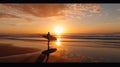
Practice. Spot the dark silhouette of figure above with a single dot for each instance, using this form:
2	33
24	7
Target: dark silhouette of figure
47	52
44	56
48	36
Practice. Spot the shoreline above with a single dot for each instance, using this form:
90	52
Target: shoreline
14	54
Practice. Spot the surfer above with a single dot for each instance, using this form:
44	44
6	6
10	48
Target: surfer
48	35
51	38
46	52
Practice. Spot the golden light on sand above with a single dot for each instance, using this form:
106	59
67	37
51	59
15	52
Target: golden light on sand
58	43
58	30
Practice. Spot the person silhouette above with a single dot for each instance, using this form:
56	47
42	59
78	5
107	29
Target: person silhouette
48	36
46	53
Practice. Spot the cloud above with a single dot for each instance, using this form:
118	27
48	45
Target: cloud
39	10
96	10
106	22
7	16
82	9
118	9
118	18
33	12
12	21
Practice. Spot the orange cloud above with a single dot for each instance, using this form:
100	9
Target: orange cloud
33	12
40	10
7	16
82	9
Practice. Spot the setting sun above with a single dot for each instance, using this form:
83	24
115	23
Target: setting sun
58	30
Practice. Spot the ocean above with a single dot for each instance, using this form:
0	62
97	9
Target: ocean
82	47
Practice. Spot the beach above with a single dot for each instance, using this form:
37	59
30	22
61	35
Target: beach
9	53
12	54
72	48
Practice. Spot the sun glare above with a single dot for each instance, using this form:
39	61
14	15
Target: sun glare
58	30
58	43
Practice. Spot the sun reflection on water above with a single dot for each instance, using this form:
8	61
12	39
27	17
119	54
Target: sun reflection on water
58	43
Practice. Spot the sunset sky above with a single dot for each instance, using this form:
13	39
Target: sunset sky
73	18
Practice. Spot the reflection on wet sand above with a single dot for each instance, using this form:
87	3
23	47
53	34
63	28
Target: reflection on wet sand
58	43
46	53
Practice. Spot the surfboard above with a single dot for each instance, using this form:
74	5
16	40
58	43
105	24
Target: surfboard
49	51
51	37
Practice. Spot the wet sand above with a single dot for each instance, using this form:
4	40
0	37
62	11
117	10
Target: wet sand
10	53
6	50
14	54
